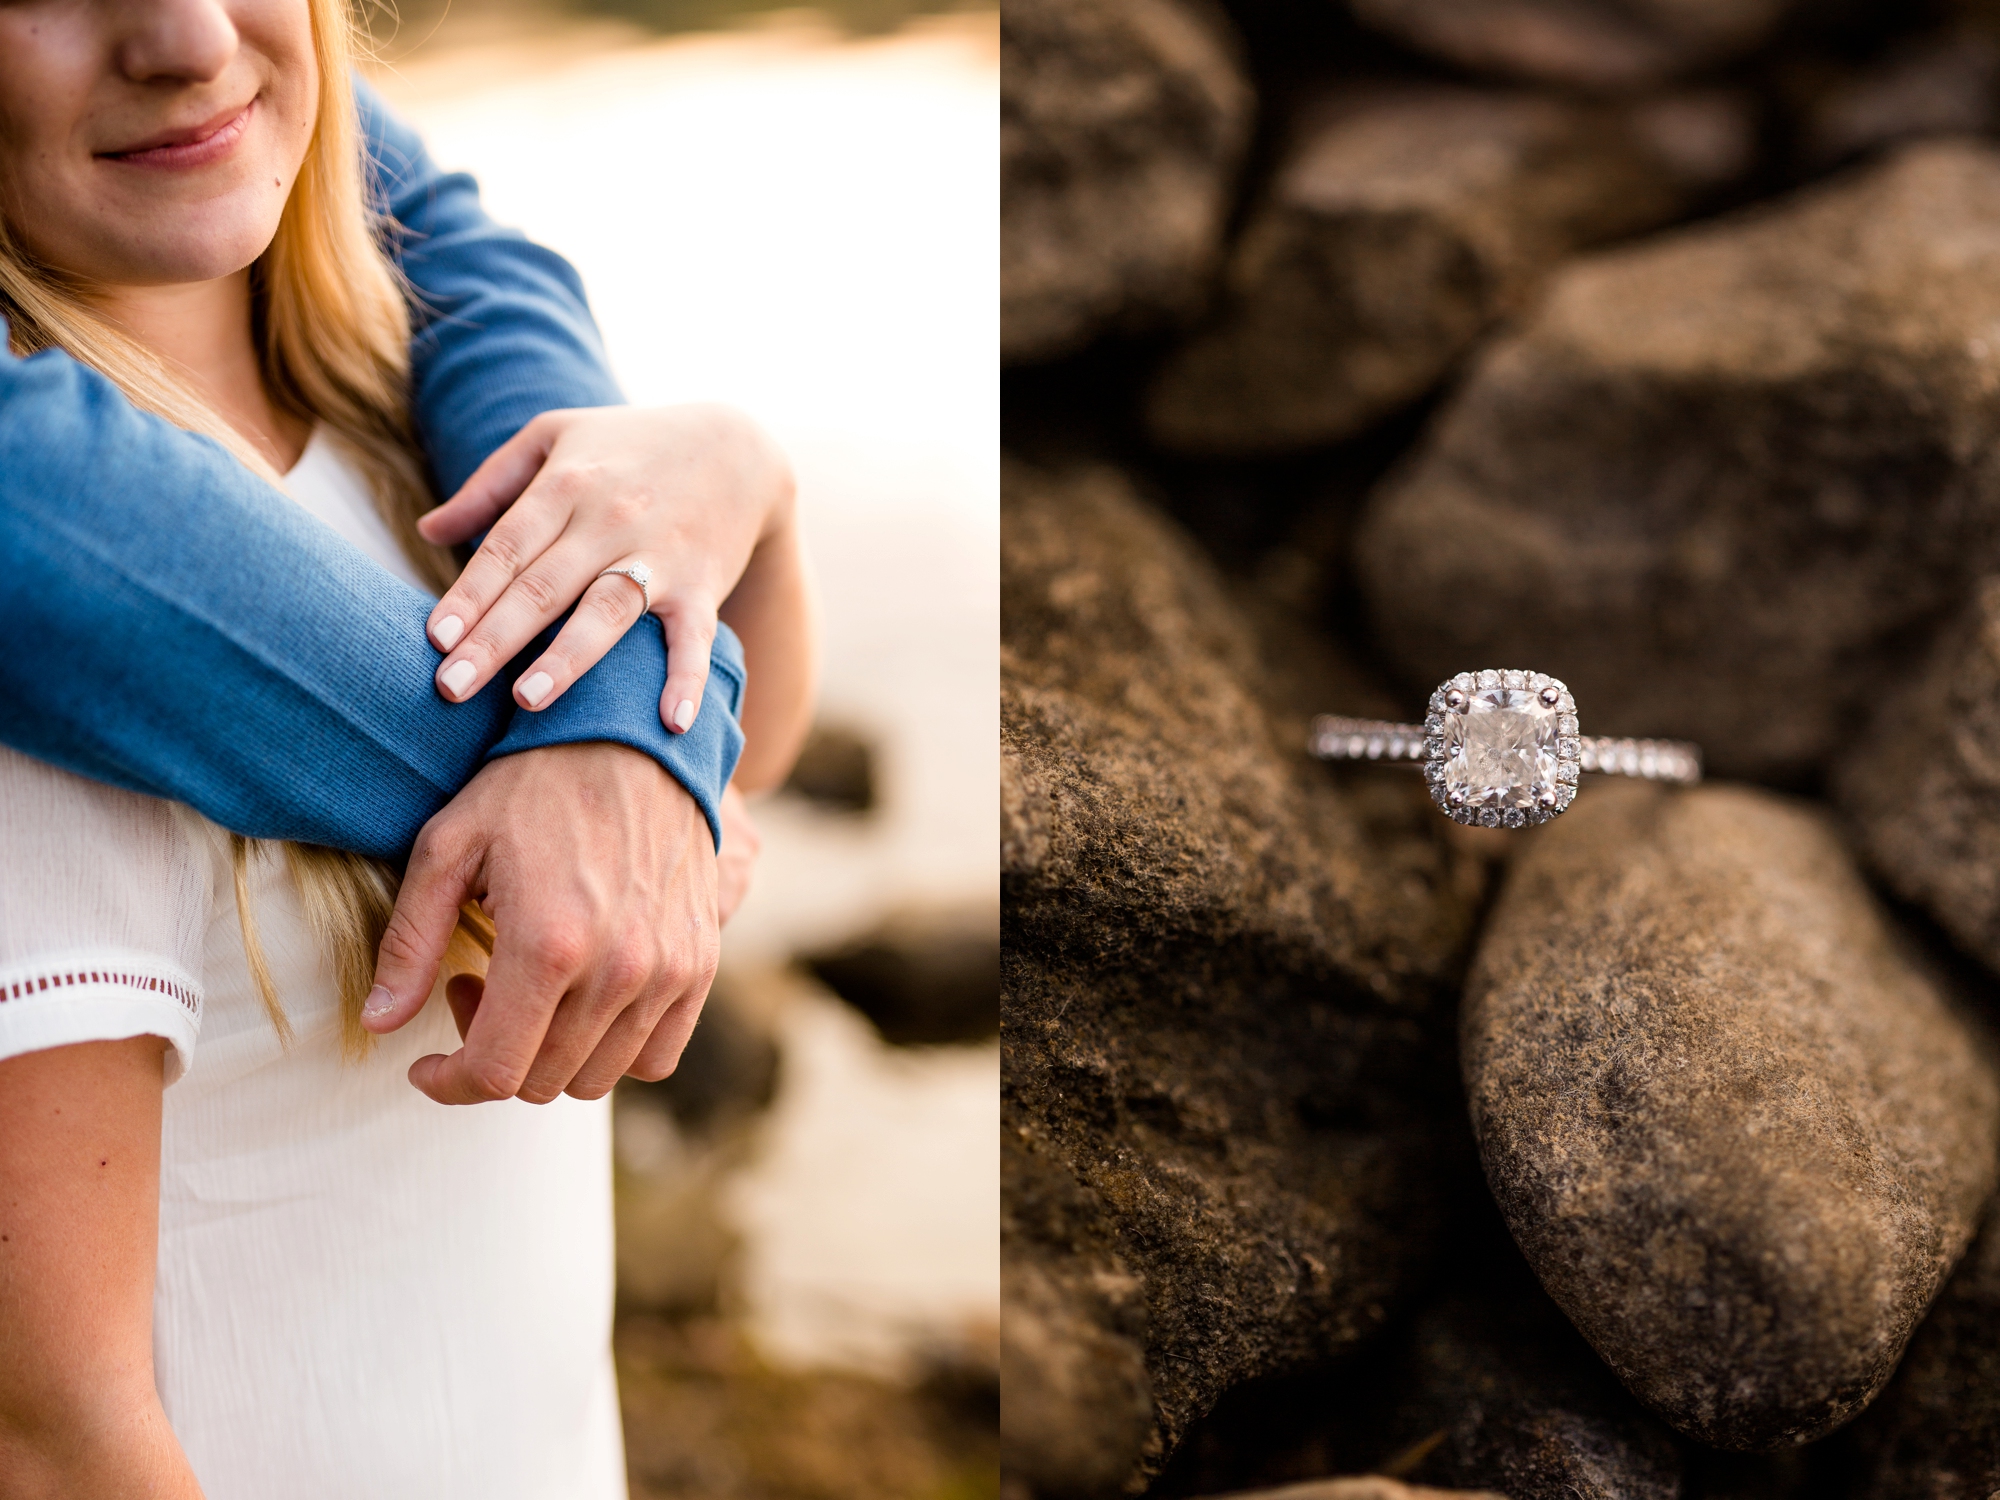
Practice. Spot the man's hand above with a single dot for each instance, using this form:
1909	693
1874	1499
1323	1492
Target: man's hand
599	873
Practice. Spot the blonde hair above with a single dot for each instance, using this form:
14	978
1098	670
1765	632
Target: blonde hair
333	333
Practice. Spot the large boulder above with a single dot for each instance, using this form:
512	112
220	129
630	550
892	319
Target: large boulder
1923	784
1399	225
1225	993
1735	1127
1122	124
1598	44
1723	483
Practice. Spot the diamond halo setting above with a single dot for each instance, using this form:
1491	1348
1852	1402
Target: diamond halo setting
1501	748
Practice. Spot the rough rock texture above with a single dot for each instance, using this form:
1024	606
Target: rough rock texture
1122	123
1360	1487
1604	44
1223	999
1725	482
1923	784
1935	1434
1397	228
1738	1133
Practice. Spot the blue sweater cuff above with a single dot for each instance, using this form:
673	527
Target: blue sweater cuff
619	701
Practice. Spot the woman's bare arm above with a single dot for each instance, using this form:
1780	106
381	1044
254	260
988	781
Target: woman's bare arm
772	610
79	1229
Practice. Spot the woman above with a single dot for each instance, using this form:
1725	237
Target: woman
358	1293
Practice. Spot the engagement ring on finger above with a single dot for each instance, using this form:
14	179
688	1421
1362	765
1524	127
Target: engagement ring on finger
1501	749
640	574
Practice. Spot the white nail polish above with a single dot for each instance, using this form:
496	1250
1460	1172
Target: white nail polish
447	631
458	677
684	715
378	1004
535	687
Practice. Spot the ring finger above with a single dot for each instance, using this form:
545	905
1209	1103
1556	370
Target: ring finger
533	602
609	607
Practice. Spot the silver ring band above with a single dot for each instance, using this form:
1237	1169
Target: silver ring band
640	574
1501	749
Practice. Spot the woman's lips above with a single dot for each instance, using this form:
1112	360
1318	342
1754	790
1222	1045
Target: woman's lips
190	148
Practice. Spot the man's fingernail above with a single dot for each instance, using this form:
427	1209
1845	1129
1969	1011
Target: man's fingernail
447	631
535	687
458	677
684	715
378	1004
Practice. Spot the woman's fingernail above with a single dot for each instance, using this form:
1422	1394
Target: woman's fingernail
458	677
378	1004
447	631
684	715
535	687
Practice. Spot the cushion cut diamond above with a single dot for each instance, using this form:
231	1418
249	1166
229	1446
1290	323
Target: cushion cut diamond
1500	749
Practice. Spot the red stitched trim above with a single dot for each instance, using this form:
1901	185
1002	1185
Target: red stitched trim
150	982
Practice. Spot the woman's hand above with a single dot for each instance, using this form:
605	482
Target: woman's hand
689	492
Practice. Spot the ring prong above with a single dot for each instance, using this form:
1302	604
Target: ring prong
1454	700
1551	696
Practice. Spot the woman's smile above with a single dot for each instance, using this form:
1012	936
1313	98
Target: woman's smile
190	146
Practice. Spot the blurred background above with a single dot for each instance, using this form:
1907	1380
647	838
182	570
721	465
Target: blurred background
797	212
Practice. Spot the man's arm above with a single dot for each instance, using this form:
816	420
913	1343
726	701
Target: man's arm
178	627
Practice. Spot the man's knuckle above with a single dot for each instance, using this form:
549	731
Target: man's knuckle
557	950
494	1078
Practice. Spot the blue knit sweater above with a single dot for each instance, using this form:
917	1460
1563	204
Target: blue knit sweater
176	626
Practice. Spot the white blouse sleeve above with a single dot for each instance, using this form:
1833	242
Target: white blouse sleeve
104	903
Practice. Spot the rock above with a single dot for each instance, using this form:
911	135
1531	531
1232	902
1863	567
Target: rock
1942	83
1503	1395
1077	1412
1122	124
924	977
1923	784
1359	1487
1737	1131
729	1069
1397	228
1936	1431
1724	482
835	768
1633	43
1225	982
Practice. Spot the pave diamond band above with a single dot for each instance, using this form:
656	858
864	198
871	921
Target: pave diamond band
1501	749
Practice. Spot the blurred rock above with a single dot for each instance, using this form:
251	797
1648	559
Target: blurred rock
1225	987
1588	43
1943	83
1122	124
1360	1487
1399	225
836	768
925	977
1724	483
729	1068
1923	785
675	1246
1935	1434
706	1419
1737	1131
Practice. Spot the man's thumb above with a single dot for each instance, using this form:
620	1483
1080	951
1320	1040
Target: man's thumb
413	944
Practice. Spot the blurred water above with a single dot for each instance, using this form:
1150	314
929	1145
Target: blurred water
808	227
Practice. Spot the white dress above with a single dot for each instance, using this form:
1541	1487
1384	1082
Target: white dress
361	1293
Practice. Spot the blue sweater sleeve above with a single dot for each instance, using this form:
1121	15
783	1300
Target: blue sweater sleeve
504	333
176	626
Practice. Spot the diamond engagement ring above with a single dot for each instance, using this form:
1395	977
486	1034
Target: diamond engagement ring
640	574
1501	749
